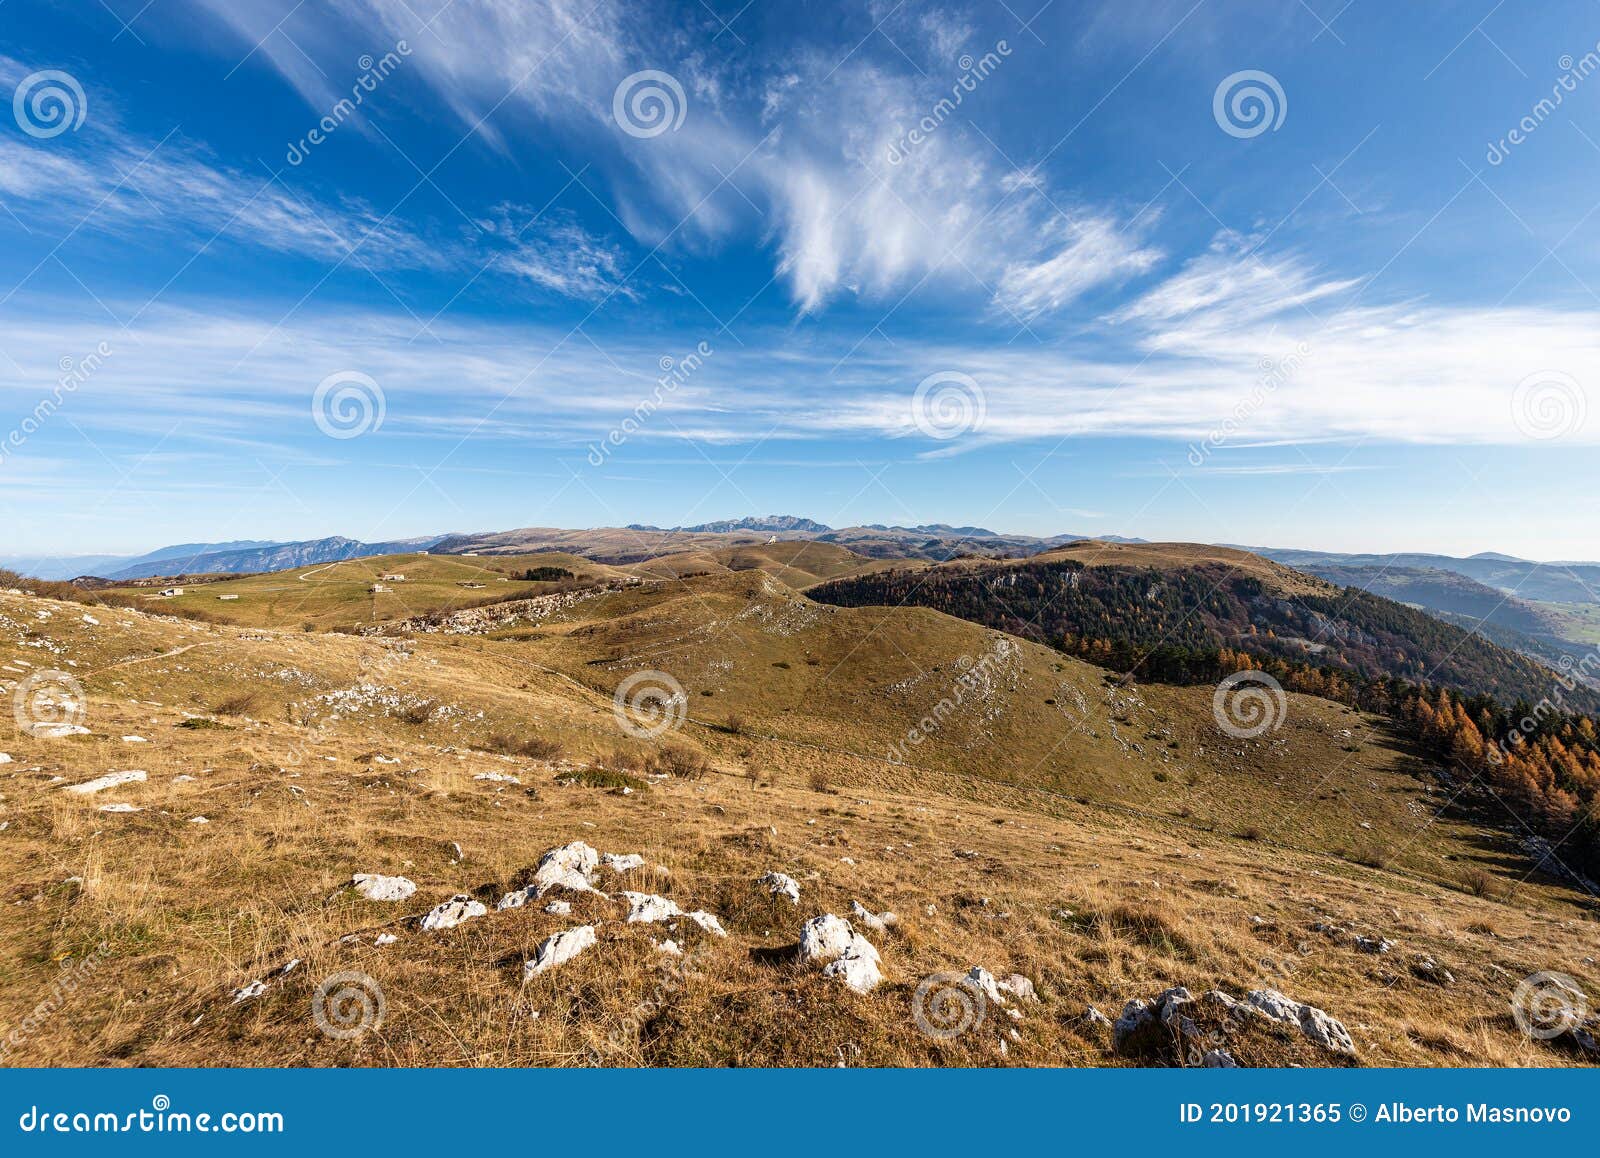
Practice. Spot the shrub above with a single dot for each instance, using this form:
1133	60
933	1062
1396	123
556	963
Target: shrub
679	762
1249	832
236	705
1478	882
533	747
818	780
601	778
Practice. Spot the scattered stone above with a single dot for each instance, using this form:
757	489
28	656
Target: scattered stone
830	941
877	922
376	887
1430	970
1373	944
707	921
1218	1059
497	777
567	867
781	886
648	908
983	981
967	853
558	950
5	757
1326	1031
385	939
109	780
120	808
1020	987
449	914
134	740
559	908
1094	1017
622	864
669	947
199	820
57	731
246	992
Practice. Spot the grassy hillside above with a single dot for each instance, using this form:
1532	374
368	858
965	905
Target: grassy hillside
340	594
1161	609
310	759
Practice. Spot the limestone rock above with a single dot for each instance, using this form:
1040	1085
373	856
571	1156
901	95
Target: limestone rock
781	885
558	950
449	914
376	887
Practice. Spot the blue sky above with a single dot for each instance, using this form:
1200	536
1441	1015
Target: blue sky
591	263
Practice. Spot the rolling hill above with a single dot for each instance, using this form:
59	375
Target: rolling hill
1103	842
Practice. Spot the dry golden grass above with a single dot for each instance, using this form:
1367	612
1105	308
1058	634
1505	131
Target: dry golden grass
1096	903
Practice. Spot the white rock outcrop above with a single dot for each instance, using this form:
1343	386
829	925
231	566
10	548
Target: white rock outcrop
622	862
449	914
1318	1026
781	885
377	887
567	867
830	941
109	780
877	922
649	908
558	950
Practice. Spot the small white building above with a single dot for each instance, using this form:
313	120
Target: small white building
376	588
226	598
171	591
394	578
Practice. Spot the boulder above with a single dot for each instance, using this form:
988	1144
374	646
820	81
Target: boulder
376	887
1325	1031
558	950
567	867
649	908
707	921
1019	986
449	914
831	942
781	886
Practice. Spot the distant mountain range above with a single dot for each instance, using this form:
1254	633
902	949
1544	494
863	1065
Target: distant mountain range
239	557
1523	578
